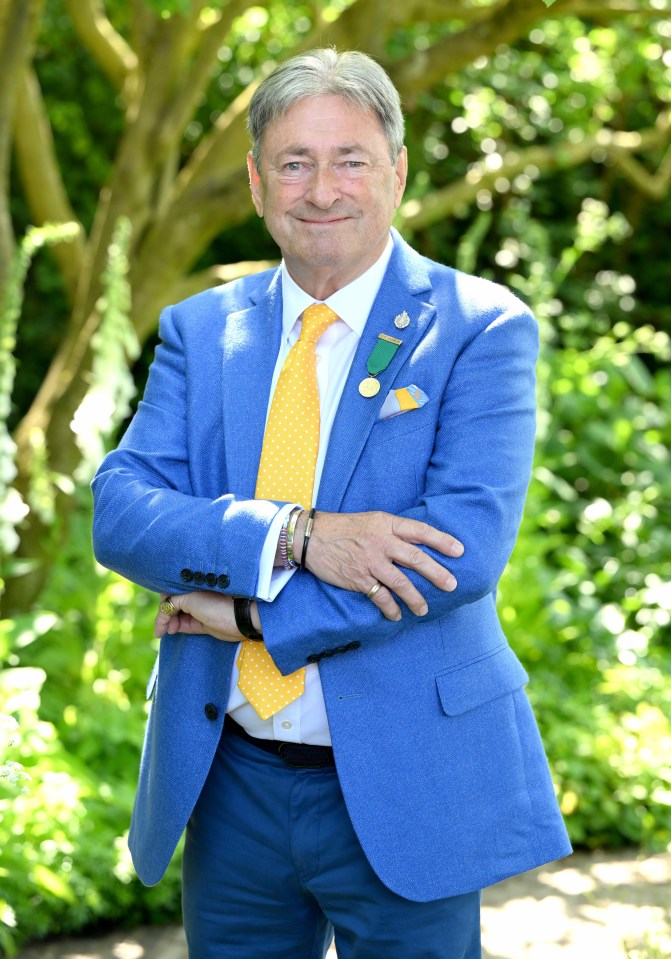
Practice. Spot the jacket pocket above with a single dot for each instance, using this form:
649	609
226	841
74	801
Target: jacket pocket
466	687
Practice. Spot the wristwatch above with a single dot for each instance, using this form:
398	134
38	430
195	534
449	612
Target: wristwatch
243	618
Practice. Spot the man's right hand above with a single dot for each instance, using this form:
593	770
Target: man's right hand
357	550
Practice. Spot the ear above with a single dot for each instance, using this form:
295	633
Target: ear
255	184
401	176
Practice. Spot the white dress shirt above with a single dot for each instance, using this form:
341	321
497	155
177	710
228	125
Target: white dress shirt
304	720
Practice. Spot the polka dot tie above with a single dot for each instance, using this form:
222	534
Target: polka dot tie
287	473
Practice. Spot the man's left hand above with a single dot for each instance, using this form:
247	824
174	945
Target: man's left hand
199	612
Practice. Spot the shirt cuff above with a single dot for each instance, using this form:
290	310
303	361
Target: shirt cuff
272	578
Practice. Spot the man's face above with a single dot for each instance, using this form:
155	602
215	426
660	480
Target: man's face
327	189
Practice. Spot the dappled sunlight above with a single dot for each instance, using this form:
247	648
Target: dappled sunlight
593	907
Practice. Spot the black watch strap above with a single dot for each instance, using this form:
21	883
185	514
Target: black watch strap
243	618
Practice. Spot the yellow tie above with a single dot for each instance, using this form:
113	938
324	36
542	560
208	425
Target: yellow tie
287	473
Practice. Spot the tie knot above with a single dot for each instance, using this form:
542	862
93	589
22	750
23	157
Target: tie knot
316	320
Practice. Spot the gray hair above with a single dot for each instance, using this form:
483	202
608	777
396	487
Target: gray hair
351	75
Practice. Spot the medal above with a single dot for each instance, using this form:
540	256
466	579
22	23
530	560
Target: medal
383	353
369	387
401	321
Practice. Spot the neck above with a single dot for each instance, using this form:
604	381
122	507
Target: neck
320	282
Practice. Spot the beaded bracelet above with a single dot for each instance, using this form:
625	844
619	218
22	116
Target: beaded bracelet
283	548
291	529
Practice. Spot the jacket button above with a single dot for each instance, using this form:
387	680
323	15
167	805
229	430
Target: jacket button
223	581
211	711
198	577
313	658
211	579
355	645
342	649
186	576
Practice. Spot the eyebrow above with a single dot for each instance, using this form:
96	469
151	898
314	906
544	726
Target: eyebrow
341	151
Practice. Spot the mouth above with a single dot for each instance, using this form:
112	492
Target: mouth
322	221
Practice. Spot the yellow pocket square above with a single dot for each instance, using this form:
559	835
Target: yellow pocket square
402	400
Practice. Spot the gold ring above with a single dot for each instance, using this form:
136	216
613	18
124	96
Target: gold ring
373	590
168	607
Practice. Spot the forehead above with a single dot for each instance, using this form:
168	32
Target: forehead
324	122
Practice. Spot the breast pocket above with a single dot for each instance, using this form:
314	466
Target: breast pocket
467	687
394	427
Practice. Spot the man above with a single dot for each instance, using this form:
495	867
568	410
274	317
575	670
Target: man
366	761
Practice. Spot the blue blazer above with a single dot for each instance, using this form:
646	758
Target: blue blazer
436	747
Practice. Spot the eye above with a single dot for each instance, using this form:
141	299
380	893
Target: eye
293	166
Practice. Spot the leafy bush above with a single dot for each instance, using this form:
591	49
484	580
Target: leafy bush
77	690
72	703
586	600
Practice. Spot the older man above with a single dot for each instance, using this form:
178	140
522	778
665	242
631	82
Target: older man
337	719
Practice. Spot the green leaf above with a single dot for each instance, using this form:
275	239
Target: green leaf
47	880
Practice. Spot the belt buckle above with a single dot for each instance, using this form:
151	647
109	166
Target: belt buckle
284	750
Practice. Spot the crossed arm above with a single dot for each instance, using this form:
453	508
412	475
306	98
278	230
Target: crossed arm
155	515
350	550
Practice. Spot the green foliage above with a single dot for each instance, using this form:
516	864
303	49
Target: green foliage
12	507
652	945
72	707
75	683
115	346
586	600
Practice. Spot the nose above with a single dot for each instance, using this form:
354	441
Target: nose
323	188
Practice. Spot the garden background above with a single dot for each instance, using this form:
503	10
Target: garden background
540	156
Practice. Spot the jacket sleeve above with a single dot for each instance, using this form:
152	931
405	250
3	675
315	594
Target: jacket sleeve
149	525
474	488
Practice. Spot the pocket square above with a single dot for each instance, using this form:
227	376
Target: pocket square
402	400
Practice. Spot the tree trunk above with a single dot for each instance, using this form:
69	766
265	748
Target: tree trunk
18	23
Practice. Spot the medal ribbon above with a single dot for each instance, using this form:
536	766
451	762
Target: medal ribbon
382	355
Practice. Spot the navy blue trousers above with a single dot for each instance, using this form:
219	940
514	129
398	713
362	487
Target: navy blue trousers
273	869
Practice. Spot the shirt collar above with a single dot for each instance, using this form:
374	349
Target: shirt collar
352	303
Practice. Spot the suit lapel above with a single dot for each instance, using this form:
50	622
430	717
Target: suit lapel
404	280
250	344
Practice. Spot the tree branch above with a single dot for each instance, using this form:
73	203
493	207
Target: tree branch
142	24
654	185
221	154
196	78
418	214
18	25
116	58
41	177
352	29
215	275
604	10
176	240
503	24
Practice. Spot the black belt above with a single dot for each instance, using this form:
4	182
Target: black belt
299	755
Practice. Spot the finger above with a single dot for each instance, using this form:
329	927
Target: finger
414	531
413	557
162	625
164	622
395	581
386	603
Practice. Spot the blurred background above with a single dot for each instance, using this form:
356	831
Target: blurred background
540	156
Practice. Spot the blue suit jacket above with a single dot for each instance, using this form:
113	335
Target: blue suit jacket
437	750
